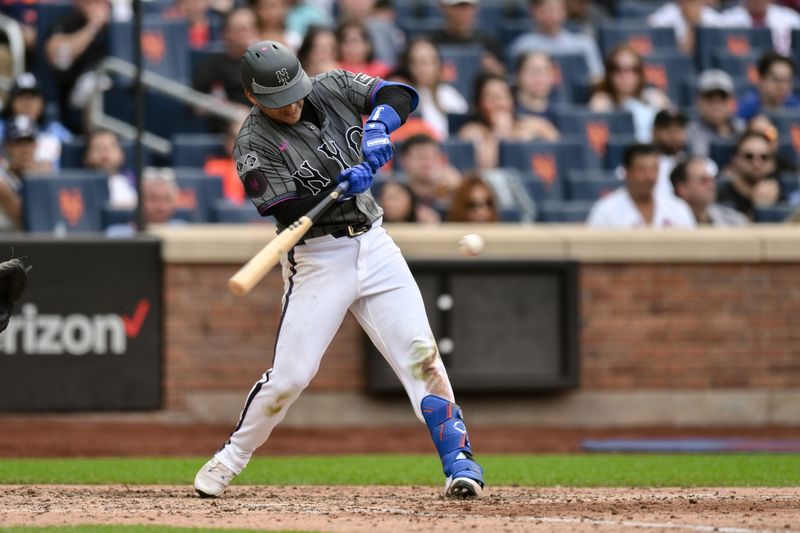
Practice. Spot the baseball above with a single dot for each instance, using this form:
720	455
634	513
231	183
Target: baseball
471	245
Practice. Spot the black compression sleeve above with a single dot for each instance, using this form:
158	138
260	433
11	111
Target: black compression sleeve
396	97
289	211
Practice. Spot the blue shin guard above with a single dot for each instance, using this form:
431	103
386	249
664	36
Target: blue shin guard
449	434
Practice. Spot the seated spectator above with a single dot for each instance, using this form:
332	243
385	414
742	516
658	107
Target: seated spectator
585	16
669	138
159	196
635	205
760	13
458	28
271	22
551	37
496	120
317	54
398	202
763	125
76	44
473	201
225	167
429	175
685	16
715	115
19	143
422	65
695	184
749	181
196	15
624	88
27	98
387	39
356	52
104	154
774	90
218	74
534	85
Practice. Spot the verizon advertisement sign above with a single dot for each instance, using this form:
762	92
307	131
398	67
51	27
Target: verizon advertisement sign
87	335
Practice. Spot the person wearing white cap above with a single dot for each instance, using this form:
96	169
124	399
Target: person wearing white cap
458	28
716	119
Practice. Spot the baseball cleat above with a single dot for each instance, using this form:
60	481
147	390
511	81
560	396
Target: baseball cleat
462	488
212	479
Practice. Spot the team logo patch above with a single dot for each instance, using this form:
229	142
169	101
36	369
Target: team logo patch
255	183
282	75
248	161
363	79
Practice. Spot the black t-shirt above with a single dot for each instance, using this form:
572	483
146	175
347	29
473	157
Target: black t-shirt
221	71
728	195
488	42
94	53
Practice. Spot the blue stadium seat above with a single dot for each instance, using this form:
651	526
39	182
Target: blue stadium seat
590	185
594	130
198	192
72	153
636	9
615	150
788	123
541	191
564	212
165	46
743	67
493	16
669	71
543	166
69	201
790	182
460	65
721	151
193	149
641	37
796	54
226	212
455	121
733	41
510	214
572	73
775	214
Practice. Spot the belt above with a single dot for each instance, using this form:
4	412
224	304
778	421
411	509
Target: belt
353	230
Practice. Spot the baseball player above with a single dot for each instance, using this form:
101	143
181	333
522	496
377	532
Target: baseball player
302	137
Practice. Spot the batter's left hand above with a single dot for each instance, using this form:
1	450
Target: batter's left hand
360	178
375	145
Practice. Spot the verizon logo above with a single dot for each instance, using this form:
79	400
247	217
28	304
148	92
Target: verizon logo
75	334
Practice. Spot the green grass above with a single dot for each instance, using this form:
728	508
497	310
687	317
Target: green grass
729	470
121	529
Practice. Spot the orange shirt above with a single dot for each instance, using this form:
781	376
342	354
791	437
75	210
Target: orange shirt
225	167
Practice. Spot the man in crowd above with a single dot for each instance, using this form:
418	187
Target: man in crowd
20	144
459	29
635	205
429	175
775	88
669	138
694	182
715	119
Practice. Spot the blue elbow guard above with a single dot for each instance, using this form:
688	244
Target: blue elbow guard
449	434
386	115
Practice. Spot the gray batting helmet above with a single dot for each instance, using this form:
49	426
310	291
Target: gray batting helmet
274	75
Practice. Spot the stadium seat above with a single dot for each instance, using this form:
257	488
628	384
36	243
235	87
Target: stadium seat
744	66
198	192
564	212
790	182
72	153
721	151
788	123
669	71
494	16
637	9
165	46
590	185
775	214
226	212
615	150
543	166
455	121
460	65
594	130
796	55
572	74
193	149
70	201
641	37
733	41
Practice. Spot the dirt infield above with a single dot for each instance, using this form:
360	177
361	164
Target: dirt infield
394	509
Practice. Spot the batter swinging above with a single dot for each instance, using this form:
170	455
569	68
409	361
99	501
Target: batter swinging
302	137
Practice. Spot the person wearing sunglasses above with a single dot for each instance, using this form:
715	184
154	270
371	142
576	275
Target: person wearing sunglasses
715	112
474	201
749	181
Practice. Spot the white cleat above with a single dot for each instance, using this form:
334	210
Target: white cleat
213	479
462	488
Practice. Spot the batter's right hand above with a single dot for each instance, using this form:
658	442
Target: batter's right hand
359	176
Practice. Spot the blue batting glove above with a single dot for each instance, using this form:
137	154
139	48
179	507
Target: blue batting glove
359	177
376	148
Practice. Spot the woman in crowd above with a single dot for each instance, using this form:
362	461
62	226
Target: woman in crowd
271	18
473	201
421	63
398	202
356	51
496	120
624	89
317	54
535	80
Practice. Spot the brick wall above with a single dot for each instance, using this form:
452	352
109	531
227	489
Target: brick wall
644	326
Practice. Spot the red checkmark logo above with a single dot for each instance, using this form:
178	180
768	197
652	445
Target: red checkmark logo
134	324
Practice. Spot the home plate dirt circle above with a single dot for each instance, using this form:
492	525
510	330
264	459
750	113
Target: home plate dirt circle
394	509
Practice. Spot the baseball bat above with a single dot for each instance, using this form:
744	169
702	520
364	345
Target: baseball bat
254	270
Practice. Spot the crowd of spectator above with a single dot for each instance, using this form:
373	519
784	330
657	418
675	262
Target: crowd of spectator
701	143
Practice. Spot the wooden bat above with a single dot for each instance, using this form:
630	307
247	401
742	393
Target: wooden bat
254	270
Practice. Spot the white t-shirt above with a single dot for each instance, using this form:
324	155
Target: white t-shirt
121	193
617	210
669	16
450	101
781	20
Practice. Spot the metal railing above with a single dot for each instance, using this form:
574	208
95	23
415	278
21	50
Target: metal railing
16	46
155	82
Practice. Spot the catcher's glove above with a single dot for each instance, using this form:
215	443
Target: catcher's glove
13	280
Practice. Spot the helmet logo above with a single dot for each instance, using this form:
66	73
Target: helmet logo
282	75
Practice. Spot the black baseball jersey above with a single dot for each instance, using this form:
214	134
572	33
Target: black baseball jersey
278	162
